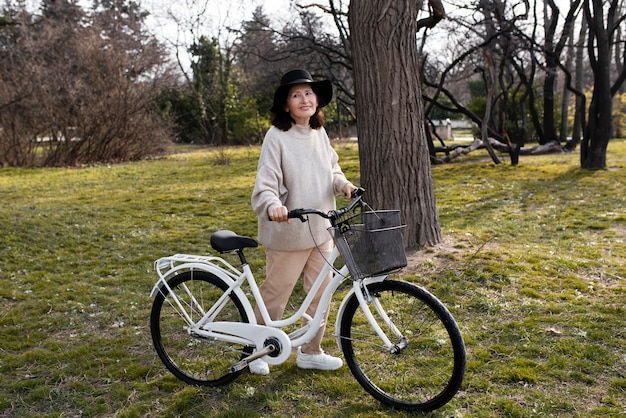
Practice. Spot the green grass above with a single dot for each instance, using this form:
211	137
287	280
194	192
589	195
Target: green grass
532	266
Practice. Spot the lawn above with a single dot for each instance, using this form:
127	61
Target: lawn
532	266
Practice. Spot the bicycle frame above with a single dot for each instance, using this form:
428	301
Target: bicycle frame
253	333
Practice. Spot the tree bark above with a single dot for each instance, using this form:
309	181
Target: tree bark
580	120
598	131
491	93
393	151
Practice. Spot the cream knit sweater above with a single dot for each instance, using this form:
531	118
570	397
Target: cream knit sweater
297	169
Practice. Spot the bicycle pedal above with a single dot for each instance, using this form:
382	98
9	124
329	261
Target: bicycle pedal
239	366
244	362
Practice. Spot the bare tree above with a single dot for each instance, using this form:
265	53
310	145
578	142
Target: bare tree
510	33
603	19
491	54
552	55
395	166
78	89
575	84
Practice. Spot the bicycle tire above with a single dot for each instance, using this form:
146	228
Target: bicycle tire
423	376
194	360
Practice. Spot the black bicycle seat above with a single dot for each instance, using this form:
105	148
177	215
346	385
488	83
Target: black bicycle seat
224	240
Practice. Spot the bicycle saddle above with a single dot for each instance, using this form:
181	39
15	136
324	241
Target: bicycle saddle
224	240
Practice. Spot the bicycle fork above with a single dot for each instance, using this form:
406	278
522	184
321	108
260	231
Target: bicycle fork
366	299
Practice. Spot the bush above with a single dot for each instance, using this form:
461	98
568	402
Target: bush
73	93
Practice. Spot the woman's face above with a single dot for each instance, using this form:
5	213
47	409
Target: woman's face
301	103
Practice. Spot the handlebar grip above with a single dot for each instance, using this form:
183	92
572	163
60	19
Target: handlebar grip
357	192
295	213
292	214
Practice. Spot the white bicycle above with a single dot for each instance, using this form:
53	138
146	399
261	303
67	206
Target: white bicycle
399	341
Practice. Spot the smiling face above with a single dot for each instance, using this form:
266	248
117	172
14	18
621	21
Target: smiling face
301	103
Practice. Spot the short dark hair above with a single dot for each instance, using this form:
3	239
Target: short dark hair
283	120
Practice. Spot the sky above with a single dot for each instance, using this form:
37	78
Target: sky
180	22
206	15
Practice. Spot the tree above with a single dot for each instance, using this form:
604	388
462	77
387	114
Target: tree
603	28
255	54
552	53
211	107
211	72
488	58
393	152
508	32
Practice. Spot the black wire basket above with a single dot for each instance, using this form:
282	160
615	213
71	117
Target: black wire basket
371	243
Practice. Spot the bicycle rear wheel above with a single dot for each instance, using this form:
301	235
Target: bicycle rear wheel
195	360
424	375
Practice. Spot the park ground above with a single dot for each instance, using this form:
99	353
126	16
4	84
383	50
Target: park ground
532	266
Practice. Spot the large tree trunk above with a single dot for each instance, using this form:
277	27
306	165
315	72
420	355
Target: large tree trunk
598	130
551	55
549	123
393	151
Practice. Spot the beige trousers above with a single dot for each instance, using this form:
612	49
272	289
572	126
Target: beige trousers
283	269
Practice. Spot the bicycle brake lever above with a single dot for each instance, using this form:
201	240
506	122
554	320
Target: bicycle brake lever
302	218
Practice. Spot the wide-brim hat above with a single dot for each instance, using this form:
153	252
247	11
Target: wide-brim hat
323	89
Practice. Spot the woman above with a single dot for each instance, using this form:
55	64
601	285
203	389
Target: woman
297	169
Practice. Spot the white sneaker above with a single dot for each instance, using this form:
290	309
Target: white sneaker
320	361
259	366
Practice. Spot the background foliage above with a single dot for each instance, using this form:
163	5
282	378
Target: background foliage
82	84
78	87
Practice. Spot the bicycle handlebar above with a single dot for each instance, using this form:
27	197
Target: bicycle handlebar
357	195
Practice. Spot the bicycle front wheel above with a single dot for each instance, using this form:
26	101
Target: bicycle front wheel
428	368
193	359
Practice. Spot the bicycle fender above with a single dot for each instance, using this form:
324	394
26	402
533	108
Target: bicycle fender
209	269
356	285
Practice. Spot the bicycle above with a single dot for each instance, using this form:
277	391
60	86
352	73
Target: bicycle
399	341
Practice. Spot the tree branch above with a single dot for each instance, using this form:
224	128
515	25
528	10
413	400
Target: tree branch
437	13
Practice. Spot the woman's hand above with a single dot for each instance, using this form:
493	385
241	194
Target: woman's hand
347	190
279	214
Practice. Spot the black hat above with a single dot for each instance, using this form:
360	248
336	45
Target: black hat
323	89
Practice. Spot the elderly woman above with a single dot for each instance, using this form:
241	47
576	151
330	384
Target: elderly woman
297	168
